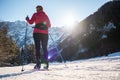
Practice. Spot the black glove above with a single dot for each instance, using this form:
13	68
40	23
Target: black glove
27	18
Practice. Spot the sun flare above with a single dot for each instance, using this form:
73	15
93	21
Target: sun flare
69	20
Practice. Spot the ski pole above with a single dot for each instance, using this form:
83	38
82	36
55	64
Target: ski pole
57	49
24	52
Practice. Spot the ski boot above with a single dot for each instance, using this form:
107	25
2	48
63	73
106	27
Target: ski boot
45	64
38	65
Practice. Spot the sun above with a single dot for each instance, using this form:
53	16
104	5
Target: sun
69	20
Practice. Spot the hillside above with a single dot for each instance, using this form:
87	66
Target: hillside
97	35
8	48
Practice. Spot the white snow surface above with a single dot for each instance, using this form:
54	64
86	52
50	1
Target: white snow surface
102	68
115	54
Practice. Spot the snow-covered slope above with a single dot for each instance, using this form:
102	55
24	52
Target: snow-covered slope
103	68
114	54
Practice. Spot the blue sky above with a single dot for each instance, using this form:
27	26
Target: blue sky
57	10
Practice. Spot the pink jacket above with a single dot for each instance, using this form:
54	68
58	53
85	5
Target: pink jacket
39	17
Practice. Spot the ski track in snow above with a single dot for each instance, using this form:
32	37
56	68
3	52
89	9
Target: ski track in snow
104	68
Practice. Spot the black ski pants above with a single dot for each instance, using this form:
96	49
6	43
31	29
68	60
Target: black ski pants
41	41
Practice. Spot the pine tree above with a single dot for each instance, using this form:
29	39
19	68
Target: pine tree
8	48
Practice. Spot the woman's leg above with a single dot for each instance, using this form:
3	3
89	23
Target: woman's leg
37	47
44	45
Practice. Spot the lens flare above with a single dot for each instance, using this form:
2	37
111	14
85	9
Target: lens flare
52	54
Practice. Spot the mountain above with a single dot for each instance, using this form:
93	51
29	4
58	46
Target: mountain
97	35
16	31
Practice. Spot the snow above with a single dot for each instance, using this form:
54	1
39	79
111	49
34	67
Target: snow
109	26
102	68
17	32
115	54
104	36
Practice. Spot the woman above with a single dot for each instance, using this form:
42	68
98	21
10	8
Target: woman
40	35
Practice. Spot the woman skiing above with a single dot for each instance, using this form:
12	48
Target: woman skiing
40	35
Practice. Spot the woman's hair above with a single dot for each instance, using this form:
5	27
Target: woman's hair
39	8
